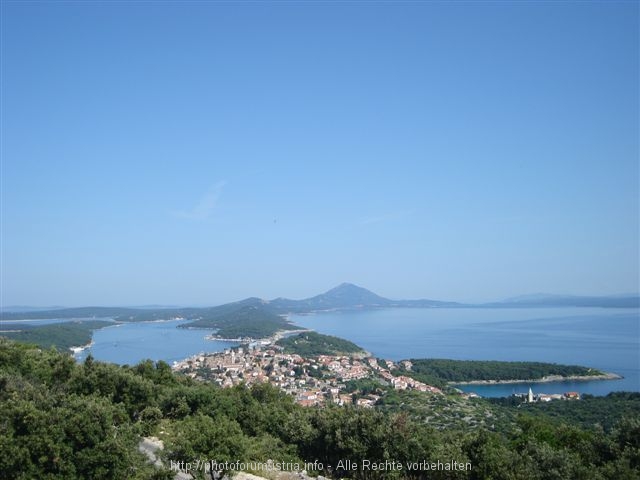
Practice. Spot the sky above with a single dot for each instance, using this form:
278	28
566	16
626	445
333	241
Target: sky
195	153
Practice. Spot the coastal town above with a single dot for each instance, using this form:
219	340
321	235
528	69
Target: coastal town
311	380
352	377
530	397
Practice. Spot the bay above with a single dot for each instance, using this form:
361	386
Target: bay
130	343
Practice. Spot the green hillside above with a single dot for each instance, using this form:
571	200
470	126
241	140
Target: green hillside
478	370
244	321
311	344
59	335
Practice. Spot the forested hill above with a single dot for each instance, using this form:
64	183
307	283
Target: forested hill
68	421
245	321
311	344
60	335
481	370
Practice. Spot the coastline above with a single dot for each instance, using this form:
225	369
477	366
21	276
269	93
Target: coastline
77	350
241	341
160	320
265	341
547	379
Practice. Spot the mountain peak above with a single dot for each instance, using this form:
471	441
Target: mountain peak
348	294
344	296
345	287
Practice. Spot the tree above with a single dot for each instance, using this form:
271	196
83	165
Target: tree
218	441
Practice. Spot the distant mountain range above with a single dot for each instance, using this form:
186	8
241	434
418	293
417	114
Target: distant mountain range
27	308
550	300
348	297
341	298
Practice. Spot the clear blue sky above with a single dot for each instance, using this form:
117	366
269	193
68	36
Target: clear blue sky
198	153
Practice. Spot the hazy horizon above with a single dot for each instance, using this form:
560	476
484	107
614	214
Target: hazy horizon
213	304
201	153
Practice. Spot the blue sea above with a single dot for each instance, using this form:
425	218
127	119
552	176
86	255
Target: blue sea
605	339
130	343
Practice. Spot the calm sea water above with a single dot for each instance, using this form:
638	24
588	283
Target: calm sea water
132	342
606	339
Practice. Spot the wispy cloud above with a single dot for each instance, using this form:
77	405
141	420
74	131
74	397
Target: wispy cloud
385	217
205	206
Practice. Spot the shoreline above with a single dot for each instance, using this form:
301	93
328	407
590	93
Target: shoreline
77	350
158	320
547	379
243	341
265	340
